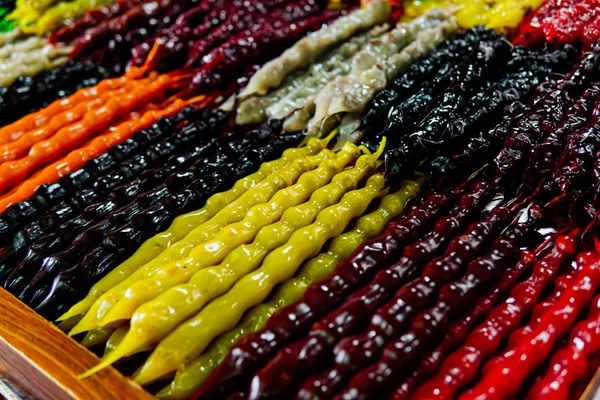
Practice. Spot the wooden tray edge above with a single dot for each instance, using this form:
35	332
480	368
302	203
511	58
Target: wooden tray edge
44	362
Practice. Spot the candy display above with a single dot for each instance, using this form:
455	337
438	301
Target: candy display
125	27
300	88
305	51
121	162
224	62
295	90
444	58
127	201
185	224
249	228
251	289
551	324
72	127
307	199
315	270
196	34
332	320
455	120
175	273
119	26
581	346
122	179
147	224
402	45
97	113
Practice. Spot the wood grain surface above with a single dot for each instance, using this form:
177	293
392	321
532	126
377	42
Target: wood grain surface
44	362
593	390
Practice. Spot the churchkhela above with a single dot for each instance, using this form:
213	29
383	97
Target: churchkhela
308	199
261	365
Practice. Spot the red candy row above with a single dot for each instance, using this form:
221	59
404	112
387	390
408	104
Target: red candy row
565	21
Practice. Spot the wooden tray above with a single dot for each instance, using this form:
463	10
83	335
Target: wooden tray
44	362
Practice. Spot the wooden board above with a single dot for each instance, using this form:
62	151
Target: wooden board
593	390
44	362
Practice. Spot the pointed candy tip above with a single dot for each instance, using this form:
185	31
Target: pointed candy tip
142	377
116	314
78	309
64	317
364	149
381	148
103	364
86	324
107	361
80	328
330	137
156	367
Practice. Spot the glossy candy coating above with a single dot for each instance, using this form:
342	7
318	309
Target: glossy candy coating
49	195
253	288
113	252
250	353
486	338
160	246
318	268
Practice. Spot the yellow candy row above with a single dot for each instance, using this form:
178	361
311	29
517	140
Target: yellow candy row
325	186
193	282
494	14
42	16
191	338
189	379
158	299
147	254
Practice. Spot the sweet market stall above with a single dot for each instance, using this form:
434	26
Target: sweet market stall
275	199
